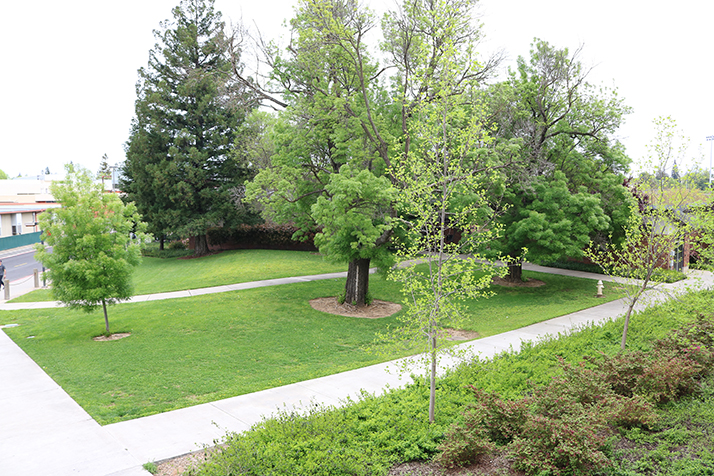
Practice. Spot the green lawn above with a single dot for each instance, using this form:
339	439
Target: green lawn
513	308
156	275
194	350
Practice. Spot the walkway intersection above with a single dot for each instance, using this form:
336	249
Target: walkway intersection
44	431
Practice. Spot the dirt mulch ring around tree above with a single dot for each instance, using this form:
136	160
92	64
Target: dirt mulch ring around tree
375	310
528	283
117	336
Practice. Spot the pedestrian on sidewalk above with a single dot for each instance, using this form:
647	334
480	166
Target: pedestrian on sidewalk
3	274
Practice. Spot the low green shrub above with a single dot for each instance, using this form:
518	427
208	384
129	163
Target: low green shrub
572	444
668	378
563	426
315	443
178	251
668	276
632	412
151	467
176	245
694	342
576	266
504	419
263	236
465	444
621	371
364	437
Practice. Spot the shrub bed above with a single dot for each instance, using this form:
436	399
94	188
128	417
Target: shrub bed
267	236
173	249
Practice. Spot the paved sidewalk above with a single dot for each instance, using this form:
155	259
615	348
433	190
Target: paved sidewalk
28	286
16	251
43	431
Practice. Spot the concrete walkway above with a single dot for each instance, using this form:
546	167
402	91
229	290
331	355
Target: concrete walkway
43	431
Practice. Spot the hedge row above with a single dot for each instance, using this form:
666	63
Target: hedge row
267	236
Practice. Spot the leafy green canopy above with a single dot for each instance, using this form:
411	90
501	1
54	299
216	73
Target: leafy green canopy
95	242
340	111
327	172
570	190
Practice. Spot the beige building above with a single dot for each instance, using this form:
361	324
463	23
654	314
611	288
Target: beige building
21	201
27	190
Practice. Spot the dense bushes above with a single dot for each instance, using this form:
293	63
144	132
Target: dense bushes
552	411
267	236
563	427
174	249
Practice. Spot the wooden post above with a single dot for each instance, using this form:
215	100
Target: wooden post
37	278
7	290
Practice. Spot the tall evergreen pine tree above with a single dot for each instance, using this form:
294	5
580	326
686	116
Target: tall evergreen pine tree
183	167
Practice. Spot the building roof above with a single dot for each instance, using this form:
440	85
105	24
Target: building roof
10	208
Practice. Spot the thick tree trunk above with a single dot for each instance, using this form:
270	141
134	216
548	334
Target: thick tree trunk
106	317
161	242
200	245
357	283
515	272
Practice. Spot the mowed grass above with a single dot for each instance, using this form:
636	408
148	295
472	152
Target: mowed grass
183	352
513	308
156	275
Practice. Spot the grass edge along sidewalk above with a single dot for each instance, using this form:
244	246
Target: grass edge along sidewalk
155	275
184	352
150	436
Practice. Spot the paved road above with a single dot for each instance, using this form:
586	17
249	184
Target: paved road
22	265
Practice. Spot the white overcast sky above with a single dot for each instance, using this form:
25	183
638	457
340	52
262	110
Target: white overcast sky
68	68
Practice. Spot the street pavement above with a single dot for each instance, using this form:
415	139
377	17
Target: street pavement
44	431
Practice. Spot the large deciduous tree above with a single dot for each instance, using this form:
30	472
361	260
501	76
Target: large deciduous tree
183	167
95	240
342	125
570	190
331	150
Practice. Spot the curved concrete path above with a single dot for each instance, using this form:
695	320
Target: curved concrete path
43	431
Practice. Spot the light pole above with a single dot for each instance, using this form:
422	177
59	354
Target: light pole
710	139
113	168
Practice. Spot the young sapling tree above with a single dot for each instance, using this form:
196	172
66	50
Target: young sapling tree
91	244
